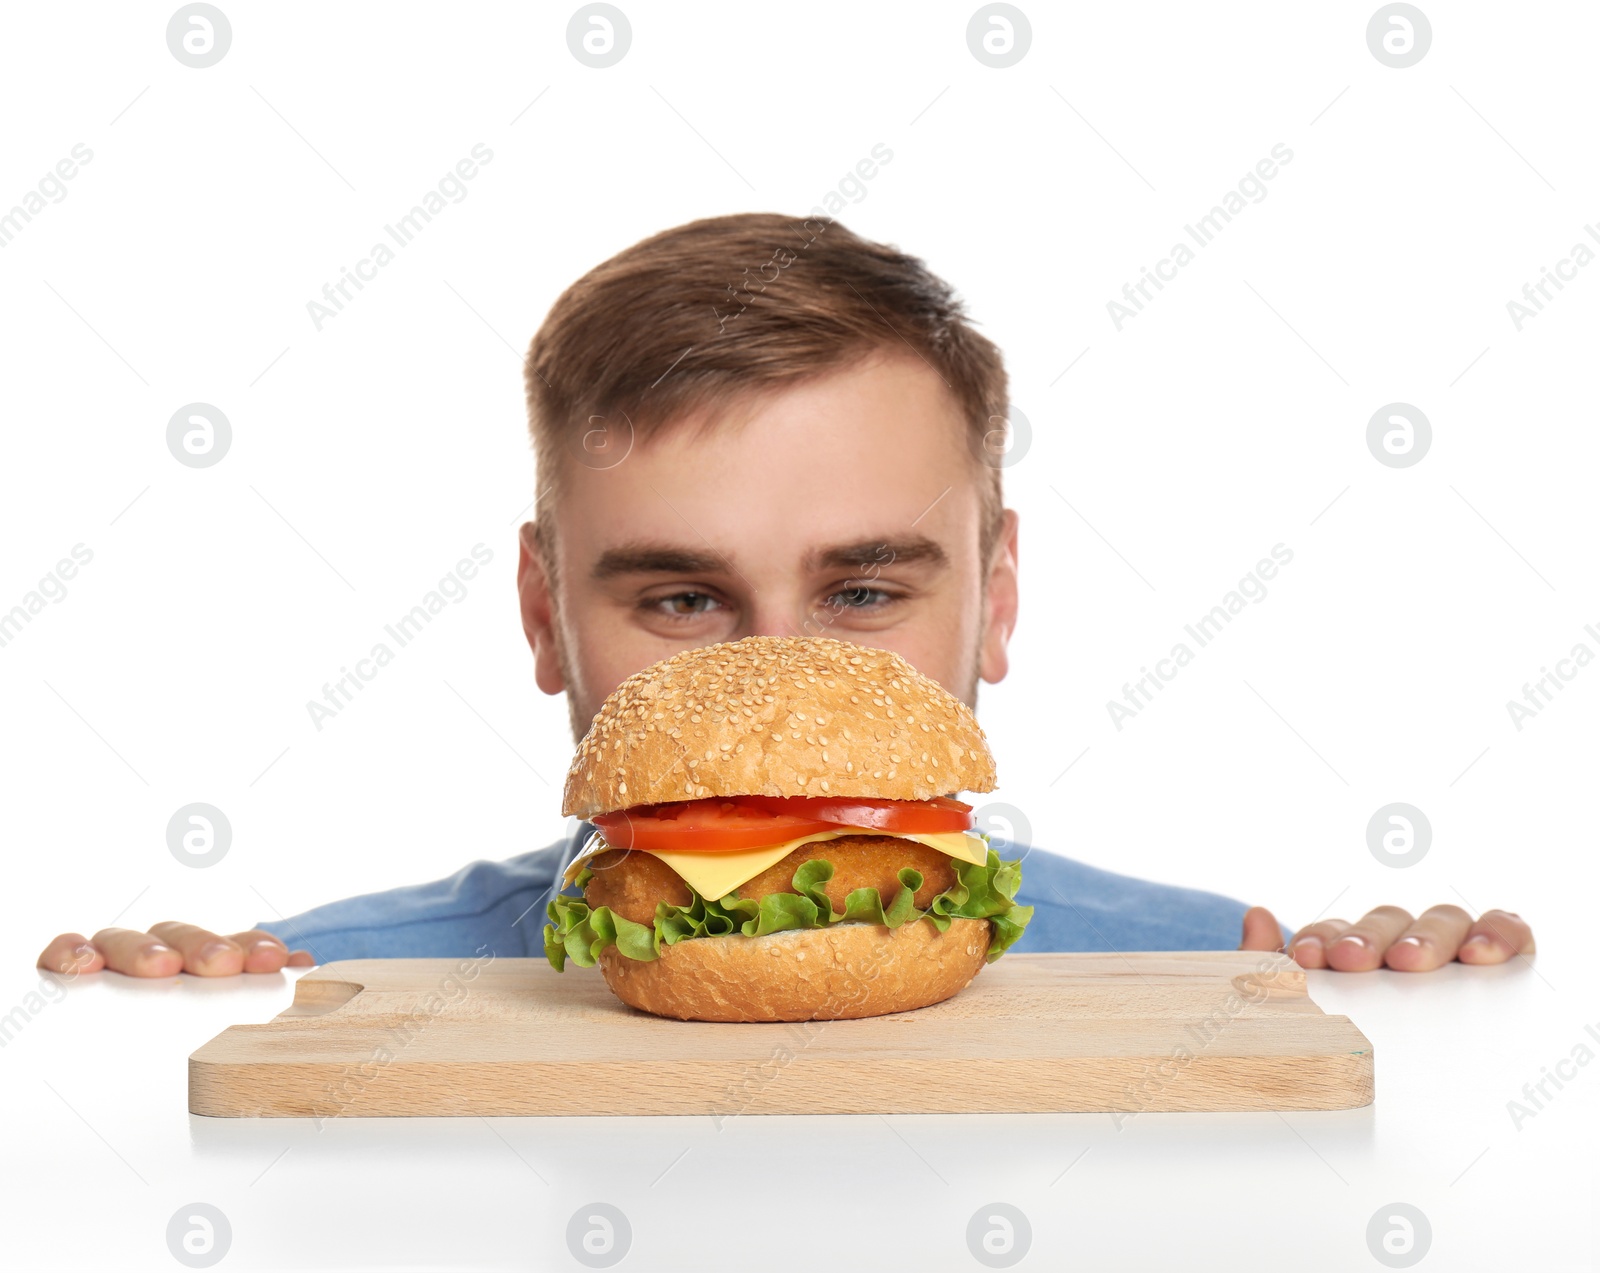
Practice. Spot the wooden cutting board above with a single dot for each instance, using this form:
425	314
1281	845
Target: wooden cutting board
1055	1032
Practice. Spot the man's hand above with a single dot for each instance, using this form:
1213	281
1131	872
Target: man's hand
1389	937
168	949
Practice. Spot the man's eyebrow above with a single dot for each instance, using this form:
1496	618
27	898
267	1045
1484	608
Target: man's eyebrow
656	559
867	553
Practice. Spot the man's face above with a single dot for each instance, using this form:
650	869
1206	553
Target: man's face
846	507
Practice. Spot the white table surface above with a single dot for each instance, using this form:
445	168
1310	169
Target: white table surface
101	1152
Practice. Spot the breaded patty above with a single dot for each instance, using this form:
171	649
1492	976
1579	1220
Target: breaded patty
631	883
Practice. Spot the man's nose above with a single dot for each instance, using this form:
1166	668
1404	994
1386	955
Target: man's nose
771	616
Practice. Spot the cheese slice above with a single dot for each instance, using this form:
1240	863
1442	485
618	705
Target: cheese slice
716	874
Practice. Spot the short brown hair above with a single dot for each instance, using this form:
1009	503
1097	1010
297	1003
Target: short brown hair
689	319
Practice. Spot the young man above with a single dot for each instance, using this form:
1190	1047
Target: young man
752	424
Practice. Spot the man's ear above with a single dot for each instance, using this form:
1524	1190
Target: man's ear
538	611
999	602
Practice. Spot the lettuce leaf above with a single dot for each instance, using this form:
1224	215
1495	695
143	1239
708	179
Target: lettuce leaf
580	933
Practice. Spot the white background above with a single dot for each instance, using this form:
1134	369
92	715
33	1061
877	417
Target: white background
369	457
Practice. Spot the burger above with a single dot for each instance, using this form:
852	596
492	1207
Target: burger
776	838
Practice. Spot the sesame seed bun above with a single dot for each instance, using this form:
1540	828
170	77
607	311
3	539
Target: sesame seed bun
777	716
812	974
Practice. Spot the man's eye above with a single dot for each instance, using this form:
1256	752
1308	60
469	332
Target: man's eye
858	598
685	603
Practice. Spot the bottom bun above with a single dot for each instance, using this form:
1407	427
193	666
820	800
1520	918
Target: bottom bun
811	974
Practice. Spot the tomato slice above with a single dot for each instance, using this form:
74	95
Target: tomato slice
754	822
914	817
711	825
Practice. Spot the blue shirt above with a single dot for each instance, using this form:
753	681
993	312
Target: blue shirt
500	906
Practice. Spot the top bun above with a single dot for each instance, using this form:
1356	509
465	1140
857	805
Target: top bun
777	716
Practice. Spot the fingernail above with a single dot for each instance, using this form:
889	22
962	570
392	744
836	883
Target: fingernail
1410	941
158	948
212	949
1353	940
1476	941
1308	952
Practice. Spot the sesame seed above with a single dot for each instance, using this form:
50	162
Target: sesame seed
718	686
